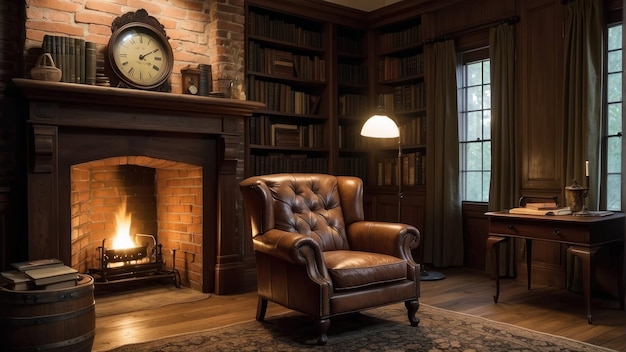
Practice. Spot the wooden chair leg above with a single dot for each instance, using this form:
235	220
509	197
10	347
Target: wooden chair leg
412	307
261	308
321	326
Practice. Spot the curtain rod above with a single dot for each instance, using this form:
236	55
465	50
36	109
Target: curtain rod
510	20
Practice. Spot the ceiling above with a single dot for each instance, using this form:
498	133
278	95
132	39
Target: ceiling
364	5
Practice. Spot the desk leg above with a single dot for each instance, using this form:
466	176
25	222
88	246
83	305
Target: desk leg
493	248
620	279
529	257
586	256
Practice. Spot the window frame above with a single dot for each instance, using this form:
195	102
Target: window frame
465	58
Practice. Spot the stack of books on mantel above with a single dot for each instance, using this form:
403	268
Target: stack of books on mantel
43	274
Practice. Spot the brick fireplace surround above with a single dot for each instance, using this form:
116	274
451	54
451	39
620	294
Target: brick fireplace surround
75	130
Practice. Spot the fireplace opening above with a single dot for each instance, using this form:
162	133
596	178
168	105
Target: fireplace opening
152	206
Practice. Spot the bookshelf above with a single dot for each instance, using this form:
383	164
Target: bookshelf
401	89
353	100
311	71
365	61
286	69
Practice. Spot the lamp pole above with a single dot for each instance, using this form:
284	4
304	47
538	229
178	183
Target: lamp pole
399	178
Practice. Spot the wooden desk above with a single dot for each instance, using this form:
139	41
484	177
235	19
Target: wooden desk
582	235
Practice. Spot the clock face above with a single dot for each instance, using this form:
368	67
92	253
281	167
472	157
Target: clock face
140	56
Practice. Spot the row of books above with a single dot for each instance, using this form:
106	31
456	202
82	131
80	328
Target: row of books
412	170
279	162
391	67
75	57
353	165
400	39
353	105
412	134
407	97
352	73
44	274
282	97
285	63
350	43
266	132
350	138
279	28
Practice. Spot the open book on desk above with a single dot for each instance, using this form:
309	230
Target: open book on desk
531	211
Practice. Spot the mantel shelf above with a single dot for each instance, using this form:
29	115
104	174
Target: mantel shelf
88	94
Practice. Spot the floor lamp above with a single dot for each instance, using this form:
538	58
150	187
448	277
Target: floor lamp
384	125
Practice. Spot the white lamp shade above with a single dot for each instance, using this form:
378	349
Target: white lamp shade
380	126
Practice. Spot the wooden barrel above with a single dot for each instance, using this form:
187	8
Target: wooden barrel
48	320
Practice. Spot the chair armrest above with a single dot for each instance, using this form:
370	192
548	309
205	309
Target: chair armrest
294	248
389	238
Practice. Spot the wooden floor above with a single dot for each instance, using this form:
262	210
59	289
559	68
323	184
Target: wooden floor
548	310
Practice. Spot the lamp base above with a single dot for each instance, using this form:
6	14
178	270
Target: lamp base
430	275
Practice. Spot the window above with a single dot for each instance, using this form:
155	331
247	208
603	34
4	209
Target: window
613	144
475	129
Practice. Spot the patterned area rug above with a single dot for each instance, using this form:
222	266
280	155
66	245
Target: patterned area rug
380	329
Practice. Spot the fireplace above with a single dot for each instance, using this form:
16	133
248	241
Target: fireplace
185	151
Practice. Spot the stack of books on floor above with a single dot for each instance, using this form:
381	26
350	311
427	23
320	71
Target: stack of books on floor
43	274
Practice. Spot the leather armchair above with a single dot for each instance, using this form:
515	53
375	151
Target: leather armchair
317	255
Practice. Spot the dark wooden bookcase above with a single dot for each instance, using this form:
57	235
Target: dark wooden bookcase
308	63
365	58
286	68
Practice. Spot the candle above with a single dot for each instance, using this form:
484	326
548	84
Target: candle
587	168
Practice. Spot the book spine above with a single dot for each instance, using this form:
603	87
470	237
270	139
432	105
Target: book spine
90	63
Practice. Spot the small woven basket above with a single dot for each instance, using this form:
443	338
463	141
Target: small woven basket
45	70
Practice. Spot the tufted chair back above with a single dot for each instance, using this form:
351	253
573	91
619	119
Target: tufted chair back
316	205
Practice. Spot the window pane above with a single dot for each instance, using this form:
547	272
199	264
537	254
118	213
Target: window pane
487	123
474	98
487	73
615	61
487	156
486	180
614	155
615	37
474	126
473	189
614	86
486	97
474	74
473	156
613	200
614	118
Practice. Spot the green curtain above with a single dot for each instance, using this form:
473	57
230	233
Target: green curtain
503	190
443	237
582	103
582	93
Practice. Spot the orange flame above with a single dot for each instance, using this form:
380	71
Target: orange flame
122	238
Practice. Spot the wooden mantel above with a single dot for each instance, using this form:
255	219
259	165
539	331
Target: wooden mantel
197	112
72	123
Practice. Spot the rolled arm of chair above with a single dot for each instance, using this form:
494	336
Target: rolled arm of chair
291	247
389	238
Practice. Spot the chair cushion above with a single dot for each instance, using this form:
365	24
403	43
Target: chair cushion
355	269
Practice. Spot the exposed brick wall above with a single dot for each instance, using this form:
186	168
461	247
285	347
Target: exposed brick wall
197	29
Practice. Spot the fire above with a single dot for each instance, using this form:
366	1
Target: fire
122	238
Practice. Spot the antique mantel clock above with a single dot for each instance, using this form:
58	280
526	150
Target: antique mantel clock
139	52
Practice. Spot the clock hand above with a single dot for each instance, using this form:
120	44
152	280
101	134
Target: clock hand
141	57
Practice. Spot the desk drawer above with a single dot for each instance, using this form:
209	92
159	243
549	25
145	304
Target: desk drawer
548	231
